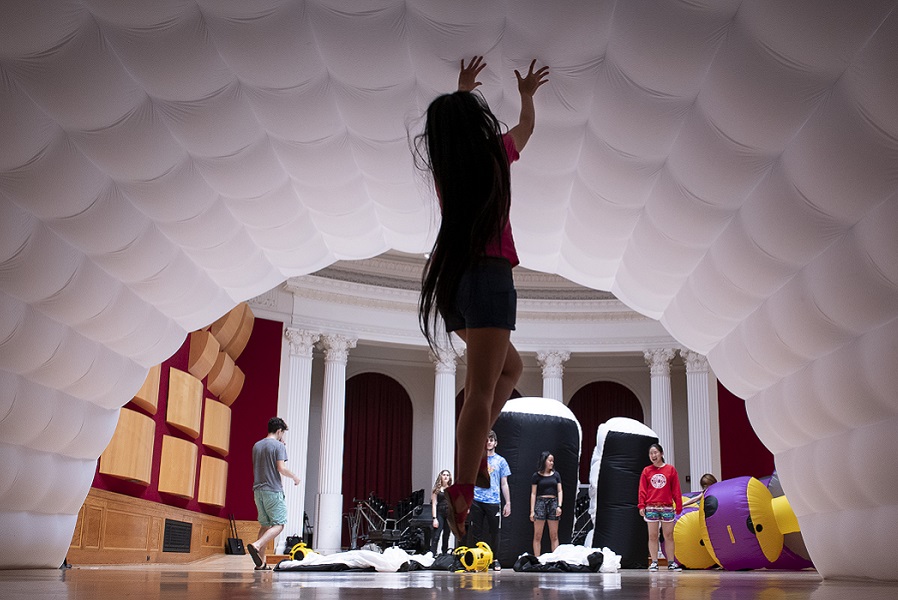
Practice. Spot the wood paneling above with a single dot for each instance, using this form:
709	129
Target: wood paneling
93	524
185	402
125	530
204	349
226	328
234	387
129	455
117	529
235	347
147	397
221	374
177	467
213	481
217	426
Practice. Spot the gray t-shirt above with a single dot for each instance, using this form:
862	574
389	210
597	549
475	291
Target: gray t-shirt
266	453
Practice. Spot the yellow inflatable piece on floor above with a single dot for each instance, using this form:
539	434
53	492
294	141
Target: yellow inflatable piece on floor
475	559
300	551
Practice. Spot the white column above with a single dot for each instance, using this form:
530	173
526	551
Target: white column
299	392
552	362
329	513
658	360
699	399
444	410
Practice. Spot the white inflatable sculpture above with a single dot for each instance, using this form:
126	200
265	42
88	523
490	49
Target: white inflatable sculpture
727	167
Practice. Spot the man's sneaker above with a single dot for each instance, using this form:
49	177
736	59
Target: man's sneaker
653	566
674	566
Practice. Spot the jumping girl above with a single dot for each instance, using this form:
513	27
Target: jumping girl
467	279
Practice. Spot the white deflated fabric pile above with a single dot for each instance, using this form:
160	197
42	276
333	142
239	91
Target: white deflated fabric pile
727	167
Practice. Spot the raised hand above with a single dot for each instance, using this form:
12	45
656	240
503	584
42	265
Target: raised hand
467	75
528	85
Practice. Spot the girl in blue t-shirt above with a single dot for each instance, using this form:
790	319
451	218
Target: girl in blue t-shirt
545	501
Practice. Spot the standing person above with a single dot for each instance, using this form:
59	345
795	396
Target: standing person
545	501
467	278
438	509
659	502
487	502
706	481
269	456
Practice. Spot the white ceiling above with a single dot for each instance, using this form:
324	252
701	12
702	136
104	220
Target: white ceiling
727	167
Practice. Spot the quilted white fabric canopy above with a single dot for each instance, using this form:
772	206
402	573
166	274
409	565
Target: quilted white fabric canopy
728	167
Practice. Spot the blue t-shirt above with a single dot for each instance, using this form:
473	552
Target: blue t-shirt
498	468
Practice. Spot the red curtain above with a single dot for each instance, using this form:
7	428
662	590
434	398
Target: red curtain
377	443
595	403
741	452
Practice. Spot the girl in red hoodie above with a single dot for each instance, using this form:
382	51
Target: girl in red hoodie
659	502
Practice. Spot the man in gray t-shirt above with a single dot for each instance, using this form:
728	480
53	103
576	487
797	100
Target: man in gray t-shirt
269	456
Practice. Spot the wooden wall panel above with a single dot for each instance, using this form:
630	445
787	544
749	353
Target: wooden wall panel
221	374
185	402
226	328
213	481
92	528
234	387
212	536
177	467
111	526
204	349
235	347
147	397
129	455
125	530
217	426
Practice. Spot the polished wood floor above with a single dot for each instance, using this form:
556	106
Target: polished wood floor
232	578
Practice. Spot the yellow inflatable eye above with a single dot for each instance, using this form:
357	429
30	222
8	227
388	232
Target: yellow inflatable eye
762	520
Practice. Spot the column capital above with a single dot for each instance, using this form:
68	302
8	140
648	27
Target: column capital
659	360
695	362
336	347
301	341
445	359
552	362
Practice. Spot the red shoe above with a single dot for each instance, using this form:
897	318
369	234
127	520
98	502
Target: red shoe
459	493
483	475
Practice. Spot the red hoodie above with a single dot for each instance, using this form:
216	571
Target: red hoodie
660	485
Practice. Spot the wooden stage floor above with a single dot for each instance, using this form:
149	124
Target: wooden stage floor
232	578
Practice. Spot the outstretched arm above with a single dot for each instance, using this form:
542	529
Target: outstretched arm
527	86
467	75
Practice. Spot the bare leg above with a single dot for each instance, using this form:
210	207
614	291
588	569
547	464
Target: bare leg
490	356
538	527
511	373
669	548
553	534
653	542
266	534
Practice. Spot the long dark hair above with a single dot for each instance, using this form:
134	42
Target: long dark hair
542	461
462	147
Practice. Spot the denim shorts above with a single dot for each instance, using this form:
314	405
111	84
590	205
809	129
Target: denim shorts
659	512
545	509
485	298
271	506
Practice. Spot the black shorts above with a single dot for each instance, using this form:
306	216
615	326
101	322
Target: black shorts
486	297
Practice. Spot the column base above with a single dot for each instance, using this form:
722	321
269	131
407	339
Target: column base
329	523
